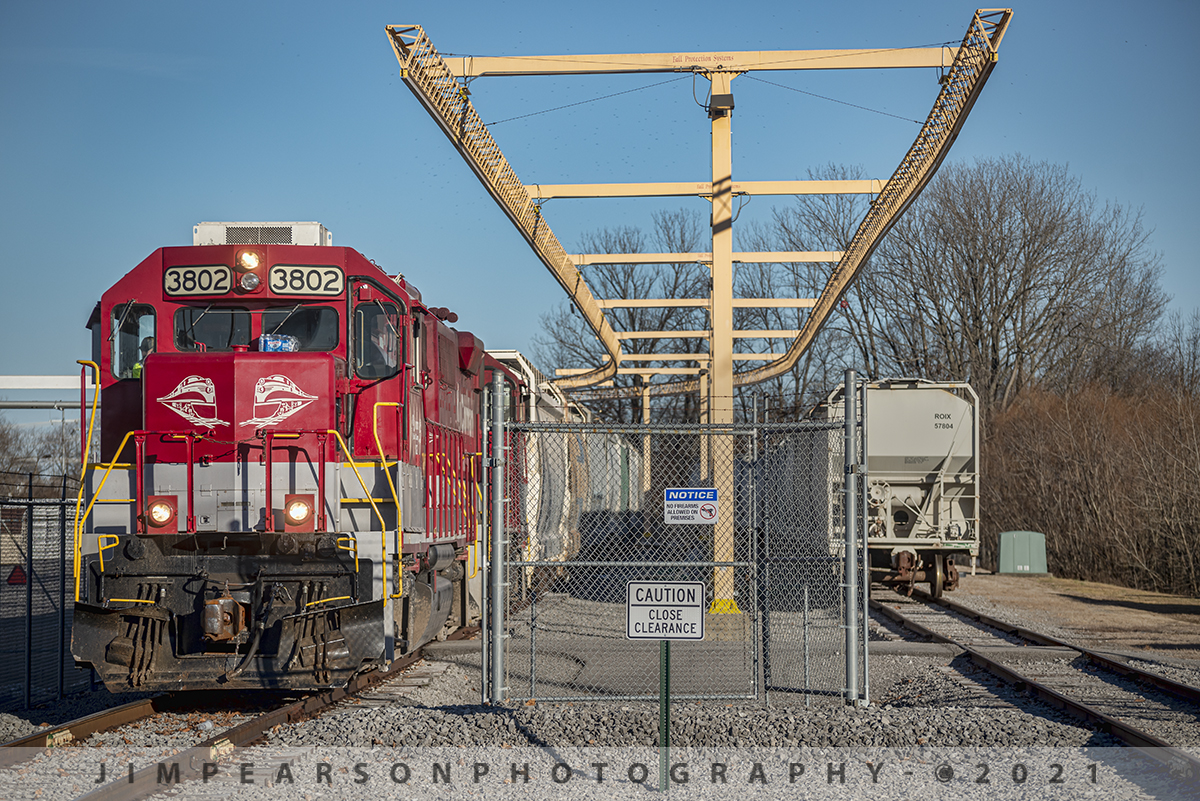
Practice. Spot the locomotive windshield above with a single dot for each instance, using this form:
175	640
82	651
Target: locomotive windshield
211	328
316	327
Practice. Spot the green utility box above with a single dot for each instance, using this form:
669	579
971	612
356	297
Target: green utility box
1023	552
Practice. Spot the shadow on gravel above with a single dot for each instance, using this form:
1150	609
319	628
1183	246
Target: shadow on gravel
1163	646
1163	608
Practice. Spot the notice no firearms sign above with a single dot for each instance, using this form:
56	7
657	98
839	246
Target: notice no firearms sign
696	505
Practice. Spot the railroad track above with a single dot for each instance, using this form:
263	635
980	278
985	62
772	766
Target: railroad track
147	781
1098	658
1140	708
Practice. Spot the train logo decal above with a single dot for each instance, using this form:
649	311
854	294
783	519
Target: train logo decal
191	398
276	398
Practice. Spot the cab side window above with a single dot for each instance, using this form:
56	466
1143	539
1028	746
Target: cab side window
132	338
377	340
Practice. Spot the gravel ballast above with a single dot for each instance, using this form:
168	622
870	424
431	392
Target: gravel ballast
932	711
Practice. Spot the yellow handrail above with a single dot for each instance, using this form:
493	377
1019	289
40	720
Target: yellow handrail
131	601
478	541
87	449
474	552
367	492
350	538
327	600
100	541
456	484
79	520
391	484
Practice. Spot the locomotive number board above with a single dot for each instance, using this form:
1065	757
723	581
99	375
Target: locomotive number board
208	279
306	279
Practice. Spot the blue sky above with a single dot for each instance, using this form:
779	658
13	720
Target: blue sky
126	123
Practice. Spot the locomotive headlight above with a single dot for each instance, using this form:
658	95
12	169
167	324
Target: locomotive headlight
160	514
250	282
298	511
246	261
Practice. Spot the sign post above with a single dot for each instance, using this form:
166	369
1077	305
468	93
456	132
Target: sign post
664	611
664	712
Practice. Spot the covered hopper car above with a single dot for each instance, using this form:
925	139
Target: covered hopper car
921	442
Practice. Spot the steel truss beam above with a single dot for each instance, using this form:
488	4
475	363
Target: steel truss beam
738	303
855	187
757	333
429	78
723	61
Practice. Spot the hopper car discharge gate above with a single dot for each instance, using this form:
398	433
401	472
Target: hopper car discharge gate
274	510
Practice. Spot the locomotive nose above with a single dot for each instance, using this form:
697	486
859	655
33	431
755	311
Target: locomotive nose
229	396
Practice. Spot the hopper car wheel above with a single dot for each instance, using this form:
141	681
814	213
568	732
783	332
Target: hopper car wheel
937	582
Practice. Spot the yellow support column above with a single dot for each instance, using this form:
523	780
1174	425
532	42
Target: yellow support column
645	440
721	344
704	421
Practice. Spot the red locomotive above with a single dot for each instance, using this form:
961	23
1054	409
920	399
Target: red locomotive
287	489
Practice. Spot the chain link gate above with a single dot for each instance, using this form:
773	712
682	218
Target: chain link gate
583	511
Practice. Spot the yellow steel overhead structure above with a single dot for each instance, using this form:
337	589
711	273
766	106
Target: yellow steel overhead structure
433	80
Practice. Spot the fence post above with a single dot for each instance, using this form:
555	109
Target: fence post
760	558
496	563
851	508
29	597
863	490
62	589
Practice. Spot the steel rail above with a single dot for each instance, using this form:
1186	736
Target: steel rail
75	730
144	782
1152	746
1170	686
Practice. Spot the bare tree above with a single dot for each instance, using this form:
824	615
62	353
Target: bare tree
566	342
39	458
1006	273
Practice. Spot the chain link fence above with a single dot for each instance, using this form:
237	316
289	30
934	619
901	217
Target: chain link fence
585	512
36	596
